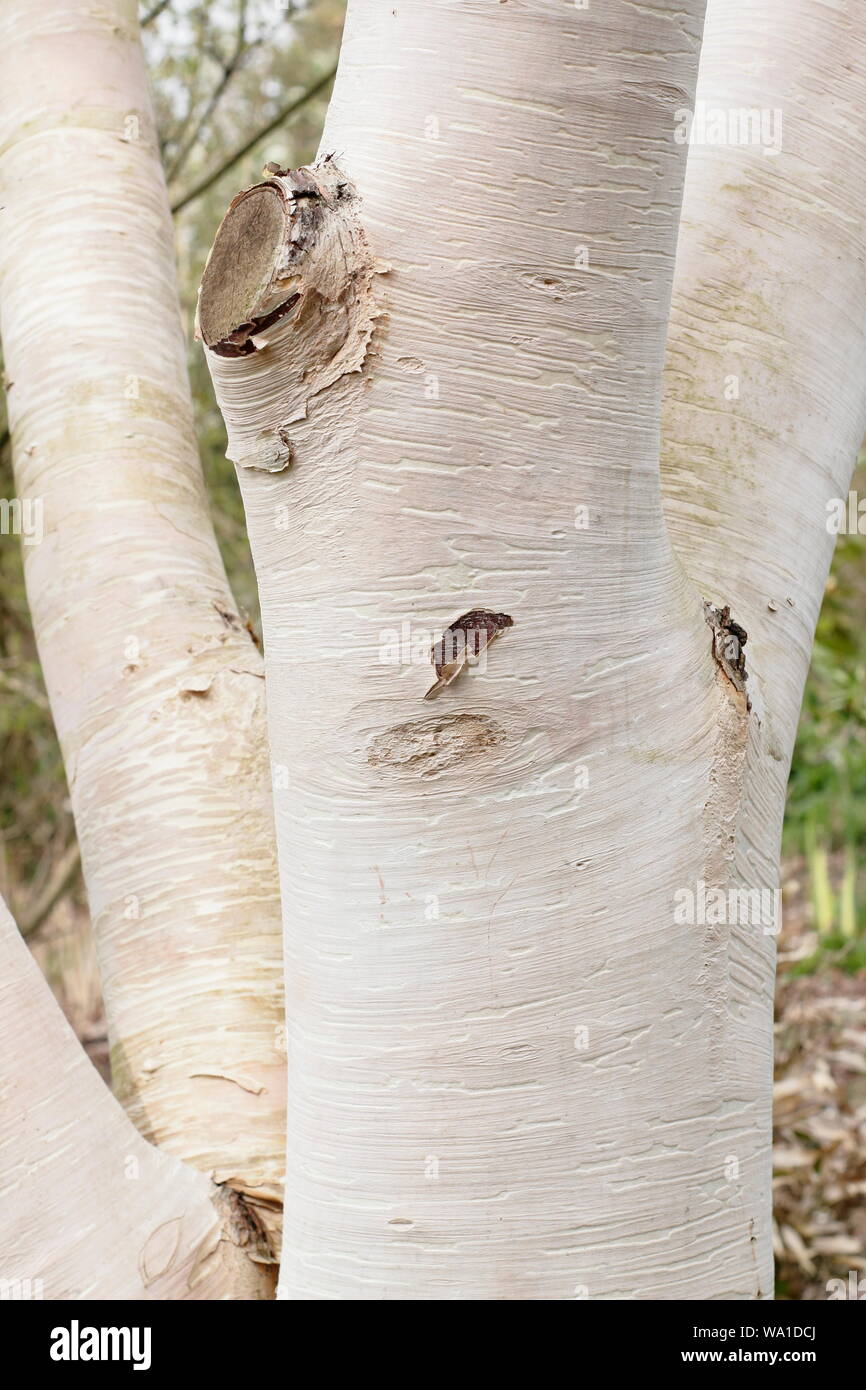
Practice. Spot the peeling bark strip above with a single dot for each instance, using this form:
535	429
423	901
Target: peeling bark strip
464	641
286	305
729	639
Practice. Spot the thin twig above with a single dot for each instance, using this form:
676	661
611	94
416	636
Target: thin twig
229	67
66	869
185	147
17	685
154	13
287	111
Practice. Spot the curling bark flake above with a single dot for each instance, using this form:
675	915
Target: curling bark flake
155	686
514	1073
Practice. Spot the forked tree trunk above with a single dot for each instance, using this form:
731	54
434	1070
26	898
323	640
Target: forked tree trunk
155	687
515	1071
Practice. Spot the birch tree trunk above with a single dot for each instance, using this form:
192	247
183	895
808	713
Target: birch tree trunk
88	1210
765	387
156	688
515	1071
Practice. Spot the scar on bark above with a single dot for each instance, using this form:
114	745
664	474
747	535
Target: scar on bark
463	642
433	744
289	279
729	639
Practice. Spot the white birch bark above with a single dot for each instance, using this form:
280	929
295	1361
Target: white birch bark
155	686
88	1209
765	389
513	1073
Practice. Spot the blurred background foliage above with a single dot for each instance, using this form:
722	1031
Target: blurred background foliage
237	83
825	820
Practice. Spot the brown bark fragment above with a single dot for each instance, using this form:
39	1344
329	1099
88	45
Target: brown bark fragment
463	642
729	639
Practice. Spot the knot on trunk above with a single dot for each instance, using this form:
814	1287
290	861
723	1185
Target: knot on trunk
729	639
286	305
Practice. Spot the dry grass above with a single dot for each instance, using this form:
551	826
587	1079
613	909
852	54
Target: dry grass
819	1150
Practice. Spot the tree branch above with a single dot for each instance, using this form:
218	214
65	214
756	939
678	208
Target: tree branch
229	67
64	872
208	182
188	655
90	1210
755	442
154	13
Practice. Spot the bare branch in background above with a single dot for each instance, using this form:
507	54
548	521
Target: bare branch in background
18	685
61	877
154	13
229	67
202	187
